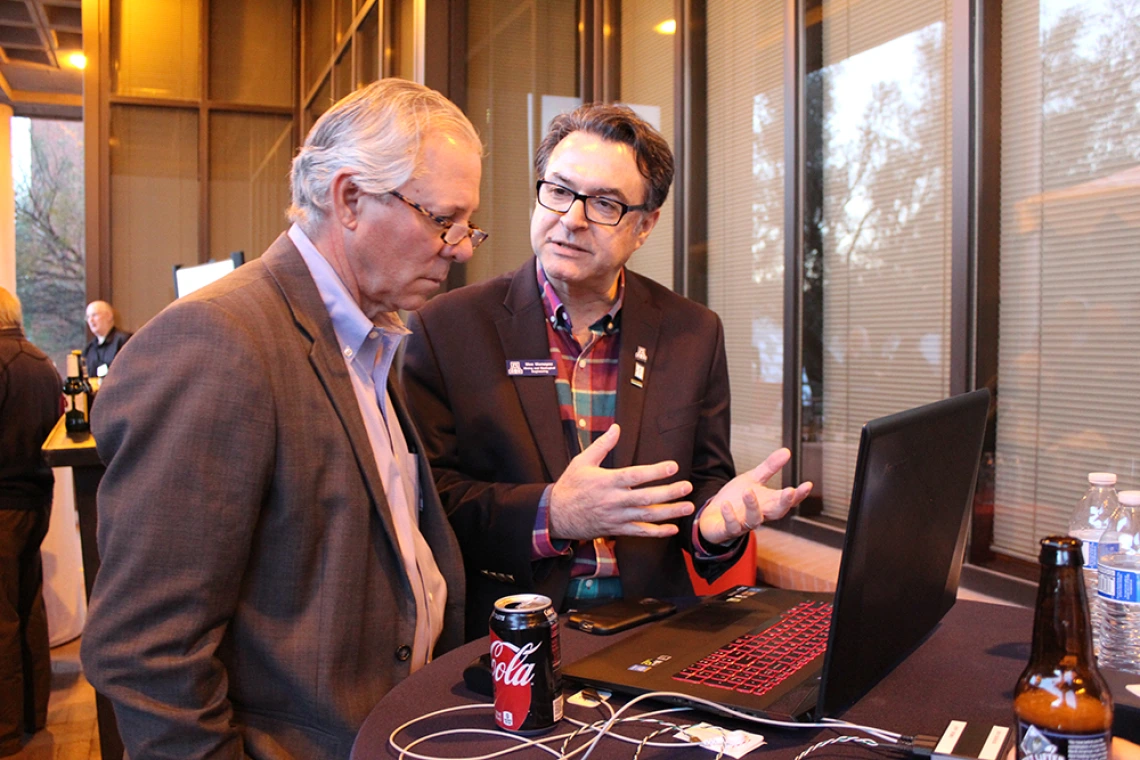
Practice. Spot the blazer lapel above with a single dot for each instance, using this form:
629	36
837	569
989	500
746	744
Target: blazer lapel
523	336
284	262
640	327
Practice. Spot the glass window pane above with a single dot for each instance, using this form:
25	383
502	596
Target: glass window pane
342	76
322	102
154	205
647	35
400	38
318	38
343	18
249	181
521	72
47	168
746	214
155	48
251	51
877	246
1069	348
367	48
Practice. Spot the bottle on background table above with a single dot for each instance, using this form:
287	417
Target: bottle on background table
1089	520
1119	597
78	392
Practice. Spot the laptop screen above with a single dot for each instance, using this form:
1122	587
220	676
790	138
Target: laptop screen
914	482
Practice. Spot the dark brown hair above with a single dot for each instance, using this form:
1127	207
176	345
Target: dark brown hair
621	125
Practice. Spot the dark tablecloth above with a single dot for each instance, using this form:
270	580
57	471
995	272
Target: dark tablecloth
965	670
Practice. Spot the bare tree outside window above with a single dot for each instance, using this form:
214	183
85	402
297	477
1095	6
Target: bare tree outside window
50	253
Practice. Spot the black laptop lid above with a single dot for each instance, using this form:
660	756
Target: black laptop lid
915	477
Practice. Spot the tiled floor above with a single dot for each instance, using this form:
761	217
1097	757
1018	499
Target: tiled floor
72	732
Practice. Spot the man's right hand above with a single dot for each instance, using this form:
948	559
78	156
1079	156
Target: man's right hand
590	501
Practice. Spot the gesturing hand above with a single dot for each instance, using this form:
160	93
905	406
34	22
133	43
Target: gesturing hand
590	501
744	502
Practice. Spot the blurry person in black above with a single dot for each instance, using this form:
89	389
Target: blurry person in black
31	402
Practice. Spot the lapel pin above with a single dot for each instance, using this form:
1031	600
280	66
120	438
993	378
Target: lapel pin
638	378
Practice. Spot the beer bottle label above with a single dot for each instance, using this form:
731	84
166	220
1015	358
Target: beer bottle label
1036	743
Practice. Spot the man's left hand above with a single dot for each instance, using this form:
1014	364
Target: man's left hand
745	502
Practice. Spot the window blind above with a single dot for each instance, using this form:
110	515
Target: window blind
746	214
1069	346
885	222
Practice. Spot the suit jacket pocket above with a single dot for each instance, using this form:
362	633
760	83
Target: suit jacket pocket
678	418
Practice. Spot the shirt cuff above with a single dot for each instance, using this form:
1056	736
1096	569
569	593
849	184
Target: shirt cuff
542	546
708	552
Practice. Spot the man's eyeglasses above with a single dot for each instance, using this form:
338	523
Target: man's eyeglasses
453	233
599	209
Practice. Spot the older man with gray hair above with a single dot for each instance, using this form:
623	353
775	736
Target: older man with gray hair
275	556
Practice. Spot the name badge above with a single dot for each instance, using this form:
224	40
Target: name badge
531	368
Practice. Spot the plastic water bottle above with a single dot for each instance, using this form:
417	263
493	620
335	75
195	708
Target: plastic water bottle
1119	587
1090	519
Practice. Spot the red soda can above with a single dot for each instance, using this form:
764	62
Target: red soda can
526	663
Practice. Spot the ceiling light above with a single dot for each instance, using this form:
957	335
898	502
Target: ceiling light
668	26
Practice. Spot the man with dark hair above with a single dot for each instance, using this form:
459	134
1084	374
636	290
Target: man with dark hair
569	406
274	554
31	402
106	341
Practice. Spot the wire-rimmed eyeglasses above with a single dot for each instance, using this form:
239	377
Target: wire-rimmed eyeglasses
453	232
599	209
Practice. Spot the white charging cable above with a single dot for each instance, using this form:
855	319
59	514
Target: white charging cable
605	728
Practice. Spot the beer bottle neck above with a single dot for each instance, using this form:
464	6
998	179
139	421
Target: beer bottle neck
1061	623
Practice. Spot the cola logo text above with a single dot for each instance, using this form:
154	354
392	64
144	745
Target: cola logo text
516	671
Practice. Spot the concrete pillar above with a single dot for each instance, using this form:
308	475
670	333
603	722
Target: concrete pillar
7	203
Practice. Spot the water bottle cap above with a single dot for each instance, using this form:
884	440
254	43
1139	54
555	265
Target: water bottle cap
1129	498
1102	478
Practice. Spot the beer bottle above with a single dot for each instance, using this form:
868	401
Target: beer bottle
1061	703
78	393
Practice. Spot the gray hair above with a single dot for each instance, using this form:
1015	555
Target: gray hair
11	315
376	134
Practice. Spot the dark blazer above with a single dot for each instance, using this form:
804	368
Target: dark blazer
496	441
251	597
31	401
96	354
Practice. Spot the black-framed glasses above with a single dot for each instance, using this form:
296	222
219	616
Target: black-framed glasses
599	209
453	232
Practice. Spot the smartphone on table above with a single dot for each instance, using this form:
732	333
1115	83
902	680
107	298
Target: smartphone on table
620	615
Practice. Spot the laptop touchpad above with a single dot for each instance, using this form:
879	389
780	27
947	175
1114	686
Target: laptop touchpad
712	617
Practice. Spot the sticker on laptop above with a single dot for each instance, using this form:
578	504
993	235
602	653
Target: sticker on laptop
741	594
646	665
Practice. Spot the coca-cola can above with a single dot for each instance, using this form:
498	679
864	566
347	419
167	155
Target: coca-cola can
526	663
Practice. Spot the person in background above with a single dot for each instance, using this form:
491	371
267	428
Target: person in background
275	557
108	340
31	401
577	413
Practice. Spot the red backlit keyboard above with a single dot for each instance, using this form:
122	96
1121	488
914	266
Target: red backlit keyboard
756	663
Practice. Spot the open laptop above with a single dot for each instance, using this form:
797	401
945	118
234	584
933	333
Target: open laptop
902	558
